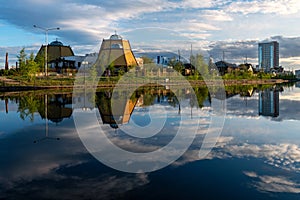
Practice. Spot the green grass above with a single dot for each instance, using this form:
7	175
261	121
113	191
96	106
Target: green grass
43	81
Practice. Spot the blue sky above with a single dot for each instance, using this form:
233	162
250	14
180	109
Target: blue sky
212	26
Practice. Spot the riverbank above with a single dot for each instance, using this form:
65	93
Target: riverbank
47	84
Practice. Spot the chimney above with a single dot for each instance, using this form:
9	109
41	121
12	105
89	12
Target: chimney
6	61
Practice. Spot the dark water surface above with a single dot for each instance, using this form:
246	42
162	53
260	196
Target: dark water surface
257	155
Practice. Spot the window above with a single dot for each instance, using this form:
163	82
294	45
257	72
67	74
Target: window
116	46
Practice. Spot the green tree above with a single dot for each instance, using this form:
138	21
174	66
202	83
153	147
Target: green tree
31	68
40	60
177	65
22	60
147	60
28	66
201	66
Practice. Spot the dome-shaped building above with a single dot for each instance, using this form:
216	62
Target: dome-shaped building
55	51
115	54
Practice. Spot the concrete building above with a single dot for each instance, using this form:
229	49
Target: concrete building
268	56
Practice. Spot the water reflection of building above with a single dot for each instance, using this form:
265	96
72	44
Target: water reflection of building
269	102
59	106
120	115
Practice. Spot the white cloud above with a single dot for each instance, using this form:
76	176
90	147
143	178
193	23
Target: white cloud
197	4
286	156
280	7
215	15
277	184
196	26
293	63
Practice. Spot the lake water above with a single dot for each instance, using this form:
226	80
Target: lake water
257	154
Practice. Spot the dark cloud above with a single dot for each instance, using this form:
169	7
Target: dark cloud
289	46
234	50
237	51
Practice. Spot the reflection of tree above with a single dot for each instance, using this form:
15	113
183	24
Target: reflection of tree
201	94
172	99
28	105
149	99
35	103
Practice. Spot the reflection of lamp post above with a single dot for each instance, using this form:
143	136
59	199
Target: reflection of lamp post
46	40
46	125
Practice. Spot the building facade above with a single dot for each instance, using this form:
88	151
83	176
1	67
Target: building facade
297	73
268	56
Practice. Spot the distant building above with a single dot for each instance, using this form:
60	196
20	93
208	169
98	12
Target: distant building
140	62
115	53
224	67
297	73
246	67
162	60
189	69
268	56
269	102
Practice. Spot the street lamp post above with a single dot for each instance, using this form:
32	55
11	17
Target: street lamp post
84	63
46	40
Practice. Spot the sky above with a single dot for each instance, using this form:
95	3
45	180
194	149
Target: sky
211	27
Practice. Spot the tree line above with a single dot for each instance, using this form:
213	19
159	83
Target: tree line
28	66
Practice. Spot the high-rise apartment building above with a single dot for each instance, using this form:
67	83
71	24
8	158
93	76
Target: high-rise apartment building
268	55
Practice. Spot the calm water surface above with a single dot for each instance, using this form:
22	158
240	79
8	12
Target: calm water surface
257	155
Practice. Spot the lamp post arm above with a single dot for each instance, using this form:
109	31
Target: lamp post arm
46	47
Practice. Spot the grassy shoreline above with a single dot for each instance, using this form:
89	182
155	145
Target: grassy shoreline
7	84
